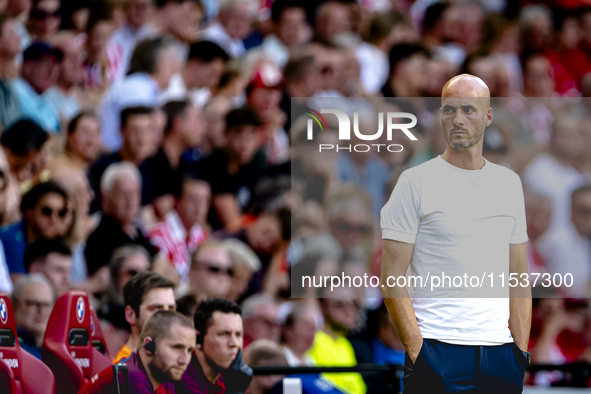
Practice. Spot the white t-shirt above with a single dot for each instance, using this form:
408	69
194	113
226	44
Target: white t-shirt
461	222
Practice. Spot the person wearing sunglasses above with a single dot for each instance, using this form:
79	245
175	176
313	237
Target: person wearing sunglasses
44	210
211	271
44	19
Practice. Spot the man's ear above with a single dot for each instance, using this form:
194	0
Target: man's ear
489	117
130	315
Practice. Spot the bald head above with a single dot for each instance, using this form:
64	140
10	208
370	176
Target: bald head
465	111
465	85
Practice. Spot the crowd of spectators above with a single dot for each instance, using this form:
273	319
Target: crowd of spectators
147	152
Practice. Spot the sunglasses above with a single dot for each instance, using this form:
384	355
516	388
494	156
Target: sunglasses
41	14
48	212
348	228
216	270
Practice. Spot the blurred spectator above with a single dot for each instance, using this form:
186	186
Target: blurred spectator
554	174
332	18
144	294
329	59
4	215
349	215
9	49
52	259
260	314
64	95
298	332
126	262
537	76
150	69
263	96
120	192
557	325
331	346
214	114
567	58
44	19
32	301
244	264
535	25
22	143
75	182
124	40
442	31
39	72
210	271
235	19
264	236
98	71
385	31
233	171
201	73
19	10
290	29
180	20
215	352
566	247
264	352
538	211
44	210
408	63
74	16
301	79
137	132
313	265
83	141
387	347
183	229
163	171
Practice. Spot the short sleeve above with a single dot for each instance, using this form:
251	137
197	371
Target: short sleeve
519	234
400	216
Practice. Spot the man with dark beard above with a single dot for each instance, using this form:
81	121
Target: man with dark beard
167	342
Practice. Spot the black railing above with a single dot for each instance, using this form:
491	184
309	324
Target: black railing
578	374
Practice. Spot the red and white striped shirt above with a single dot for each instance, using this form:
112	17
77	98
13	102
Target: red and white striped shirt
171	238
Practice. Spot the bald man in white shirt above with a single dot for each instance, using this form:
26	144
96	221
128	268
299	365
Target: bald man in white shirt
459	214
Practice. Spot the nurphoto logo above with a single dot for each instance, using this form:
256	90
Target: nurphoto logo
344	129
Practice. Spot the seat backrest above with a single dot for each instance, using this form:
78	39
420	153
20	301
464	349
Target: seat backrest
96	333
7	380
30	375
67	346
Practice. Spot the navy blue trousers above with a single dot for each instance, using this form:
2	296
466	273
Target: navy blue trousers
445	368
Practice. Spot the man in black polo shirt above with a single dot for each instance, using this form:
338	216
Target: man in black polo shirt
233	170
138	142
183	130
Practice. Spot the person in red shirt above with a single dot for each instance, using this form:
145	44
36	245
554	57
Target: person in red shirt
168	340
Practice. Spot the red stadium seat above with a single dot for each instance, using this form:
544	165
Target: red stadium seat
7	380
20	372
96	332
67	346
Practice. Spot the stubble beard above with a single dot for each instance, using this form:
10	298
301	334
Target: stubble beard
473	138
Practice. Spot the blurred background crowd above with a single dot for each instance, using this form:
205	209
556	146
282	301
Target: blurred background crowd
161	135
